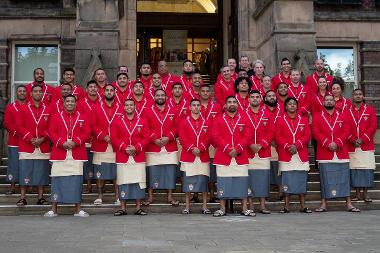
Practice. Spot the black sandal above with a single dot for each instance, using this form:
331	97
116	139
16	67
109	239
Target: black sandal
42	202
305	210
120	213
140	212
284	210
21	202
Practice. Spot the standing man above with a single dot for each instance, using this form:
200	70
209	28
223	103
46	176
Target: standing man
11	113
312	80
194	132
193	91
100	77
231	62
224	87
168	79
244	64
155	85
331	130
297	90
178	101
129	137
47	90
257	78
104	156
68	77
161	152
34	146
68	130
58	105
141	102
242	88
259	153
188	70
231	134
145	76
122	88
361	146
284	75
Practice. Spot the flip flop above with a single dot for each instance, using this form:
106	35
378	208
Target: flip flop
141	212
368	200
320	210
305	210
120	213
174	202
353	210
98	202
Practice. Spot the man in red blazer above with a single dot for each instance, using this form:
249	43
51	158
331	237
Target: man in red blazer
224	86
47	90
69	130
68	77
284	75
312	80
57	106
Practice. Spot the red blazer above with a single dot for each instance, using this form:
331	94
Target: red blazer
276	113
102	124
211	111
301	93
48	92
222	90
292	131
141	106
316	100
11	113
242	102
256	83
191	94
312	82
363	125
87	106
182	108
186	83
233	76
280	78
162	124
121	96
77	91
64	126
125	132
194	134
33	122
56	106
331	128
168	81
342	104
262	131
146	82
227	133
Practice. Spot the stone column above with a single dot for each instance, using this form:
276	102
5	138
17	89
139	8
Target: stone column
97	38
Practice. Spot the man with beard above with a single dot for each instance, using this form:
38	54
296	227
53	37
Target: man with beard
161	152
100	77
69	78
104	157
47	90
188	70
58	105
244	64
11	113
231	134
297	90
331	131
224	87
141	102
284	75
122	88
68	131
168	79
155	85
193	91
259	152
363	122
257	78
145	76
178	101
231	62
242	87
34	146
312	80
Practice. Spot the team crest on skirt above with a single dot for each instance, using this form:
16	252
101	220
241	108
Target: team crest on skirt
221	192
10	177
55	196
285	188
333	192
191	187
122	194
249	191
26	180
98	174
156	184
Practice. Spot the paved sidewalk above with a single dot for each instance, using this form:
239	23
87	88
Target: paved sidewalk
329	232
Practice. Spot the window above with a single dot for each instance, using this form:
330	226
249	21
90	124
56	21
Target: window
338	2
180	6
27	57
341	61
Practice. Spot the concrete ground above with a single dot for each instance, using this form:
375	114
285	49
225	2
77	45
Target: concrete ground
328	232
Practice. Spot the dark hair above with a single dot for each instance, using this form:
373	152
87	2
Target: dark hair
230	97
91	82
20	86
177	83
266	93
205	85
66	84
255	92
96	70
338	80
159	90
120	74
129	99
110	84
39	68
195	100
239	80
137	81
37	85
68	70
327	87
144	63
357	90
284	59
70	96
328	94
187	60
288	100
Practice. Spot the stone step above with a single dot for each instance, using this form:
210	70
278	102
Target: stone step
334	205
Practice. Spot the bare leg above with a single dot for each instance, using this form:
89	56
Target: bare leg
77	208
187	200
302	200
54	207
124	204
211	186
262	204
222	204
138	204
40	192
244	204
100	185
170	195
250	203
116	190
22	191
286	200
150	195
204	200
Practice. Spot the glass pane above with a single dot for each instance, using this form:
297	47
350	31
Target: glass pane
189	6
199	40
27	58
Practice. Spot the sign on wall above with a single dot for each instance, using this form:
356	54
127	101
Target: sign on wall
175	49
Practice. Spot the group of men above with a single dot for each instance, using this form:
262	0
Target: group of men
144	134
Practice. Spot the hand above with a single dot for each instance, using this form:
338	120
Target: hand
107	139
255	147
158	142
71	144
34	142
359	142
66	145
233	153
292	149
196	151
164	140
333	146
131	150
273	144
38	141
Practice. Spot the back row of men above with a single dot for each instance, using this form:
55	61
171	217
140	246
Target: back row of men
132	125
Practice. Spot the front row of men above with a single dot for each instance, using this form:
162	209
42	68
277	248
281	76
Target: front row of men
140	152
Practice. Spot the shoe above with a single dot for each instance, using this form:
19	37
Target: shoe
249	213
81	213
141	212
185	211
50	214
98	202
321	209
120	213
206	211
284	210
42	202
219	213
305	210
117	202
264	211
21	202
353	210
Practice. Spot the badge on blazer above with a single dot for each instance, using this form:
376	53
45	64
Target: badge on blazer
45	118
98	174
171	118
241	128
213	115
285	188
303	95
122	194
26	180
333	192
340	124
205	129
139	129
301	128
10	177
264	123
191	187
221	192
55	196
80	123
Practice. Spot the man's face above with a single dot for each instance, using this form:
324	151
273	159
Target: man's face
357	96
329	102
145	70
156	80
243	86
286	66
100	76
271	97
138	89
37	94
319	65
68	77
160	97
92	89
244	62
195	107
267	82
295	76
129	107
122	81
39	76
226	73
123	69
109	92
205	93
187	68
177	90
162	67
197	80
259	69
282	89
242	73
70	104
231	105
255	99
291	106
232	64
21	93
66	90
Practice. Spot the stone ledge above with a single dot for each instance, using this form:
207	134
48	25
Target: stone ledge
346	16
